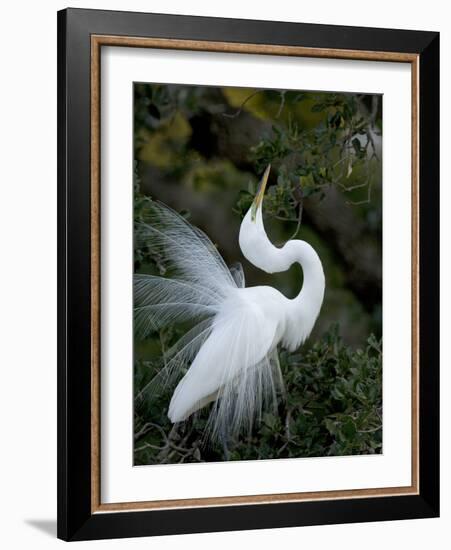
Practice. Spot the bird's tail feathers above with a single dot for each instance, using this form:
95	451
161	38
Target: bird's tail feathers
176	361
241	402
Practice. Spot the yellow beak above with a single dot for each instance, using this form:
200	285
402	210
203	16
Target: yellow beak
260	193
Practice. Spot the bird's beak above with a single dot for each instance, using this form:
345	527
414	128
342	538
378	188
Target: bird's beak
260	193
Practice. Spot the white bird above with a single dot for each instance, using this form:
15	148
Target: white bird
230	355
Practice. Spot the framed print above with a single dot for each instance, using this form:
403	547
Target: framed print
248	274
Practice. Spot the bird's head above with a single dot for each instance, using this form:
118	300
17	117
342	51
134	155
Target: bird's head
253	240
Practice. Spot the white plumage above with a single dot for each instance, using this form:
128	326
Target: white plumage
230	356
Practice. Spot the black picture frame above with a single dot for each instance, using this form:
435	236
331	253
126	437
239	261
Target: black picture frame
76	520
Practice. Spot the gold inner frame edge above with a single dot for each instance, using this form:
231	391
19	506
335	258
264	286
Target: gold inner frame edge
97	41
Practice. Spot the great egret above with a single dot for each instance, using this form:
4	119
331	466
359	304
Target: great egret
230	355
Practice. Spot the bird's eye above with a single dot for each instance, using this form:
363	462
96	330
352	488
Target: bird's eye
254	211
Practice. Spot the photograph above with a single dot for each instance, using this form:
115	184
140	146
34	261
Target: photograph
257	277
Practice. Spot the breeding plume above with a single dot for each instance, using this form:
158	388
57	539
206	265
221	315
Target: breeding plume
229	356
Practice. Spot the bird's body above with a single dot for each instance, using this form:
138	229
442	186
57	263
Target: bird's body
217	363
231	353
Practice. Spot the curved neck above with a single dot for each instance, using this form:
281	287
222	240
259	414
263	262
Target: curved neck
260	251
304	309
271	259
301	252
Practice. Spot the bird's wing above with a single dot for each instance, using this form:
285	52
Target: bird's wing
200	282
238	274
184	250
237	366
160	302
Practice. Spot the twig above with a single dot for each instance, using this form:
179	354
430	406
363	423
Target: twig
364	201
282	103
298	225
145	429
370	430
148	445
282	219
238	112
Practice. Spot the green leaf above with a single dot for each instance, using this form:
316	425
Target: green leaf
349	429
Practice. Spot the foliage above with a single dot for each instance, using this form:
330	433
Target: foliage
315	140
312	159
332	405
